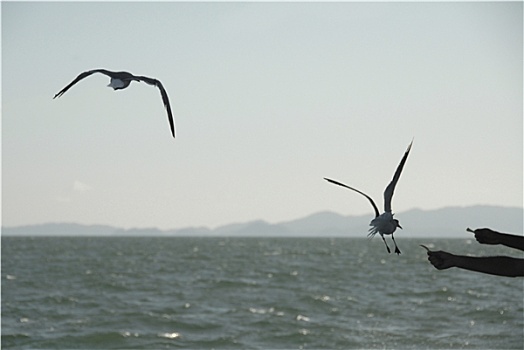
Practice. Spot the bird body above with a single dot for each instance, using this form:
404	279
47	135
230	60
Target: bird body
118	84
383	224
120	81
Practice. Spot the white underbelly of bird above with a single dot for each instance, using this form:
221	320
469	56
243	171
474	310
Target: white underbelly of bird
116	83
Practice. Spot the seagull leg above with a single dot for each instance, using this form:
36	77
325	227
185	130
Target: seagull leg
396	248
389	251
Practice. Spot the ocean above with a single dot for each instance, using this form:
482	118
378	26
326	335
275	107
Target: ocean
251	293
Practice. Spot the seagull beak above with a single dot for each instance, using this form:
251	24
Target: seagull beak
399	226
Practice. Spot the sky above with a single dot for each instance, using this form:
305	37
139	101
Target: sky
268	99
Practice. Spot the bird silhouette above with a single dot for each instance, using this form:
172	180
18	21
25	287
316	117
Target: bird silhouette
383	224
120	81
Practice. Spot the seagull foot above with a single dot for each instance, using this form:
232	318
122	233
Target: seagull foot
397	251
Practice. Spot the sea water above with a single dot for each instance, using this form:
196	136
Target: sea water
251	293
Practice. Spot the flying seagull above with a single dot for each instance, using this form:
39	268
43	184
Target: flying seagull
383	224
121	80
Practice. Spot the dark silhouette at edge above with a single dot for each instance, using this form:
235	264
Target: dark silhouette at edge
493	265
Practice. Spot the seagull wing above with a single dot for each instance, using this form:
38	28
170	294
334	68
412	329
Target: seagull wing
354	189
82	76
165	99
388	193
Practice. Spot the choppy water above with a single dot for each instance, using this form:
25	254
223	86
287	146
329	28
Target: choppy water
251	293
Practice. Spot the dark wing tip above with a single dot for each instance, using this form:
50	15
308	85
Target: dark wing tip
167	105
410	144
335	182
377	213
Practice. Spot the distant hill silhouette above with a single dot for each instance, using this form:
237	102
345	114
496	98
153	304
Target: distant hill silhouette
445	222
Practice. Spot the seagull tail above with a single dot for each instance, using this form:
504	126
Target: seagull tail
372	232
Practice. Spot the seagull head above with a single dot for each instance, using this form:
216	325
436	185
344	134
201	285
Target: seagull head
397	223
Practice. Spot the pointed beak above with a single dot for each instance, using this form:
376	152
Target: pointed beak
399	226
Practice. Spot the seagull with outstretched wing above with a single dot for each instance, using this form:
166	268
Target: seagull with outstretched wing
121	80
383	224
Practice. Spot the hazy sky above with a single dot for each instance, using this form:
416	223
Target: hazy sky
268	99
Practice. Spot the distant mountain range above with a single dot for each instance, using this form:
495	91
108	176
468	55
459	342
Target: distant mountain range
446	222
